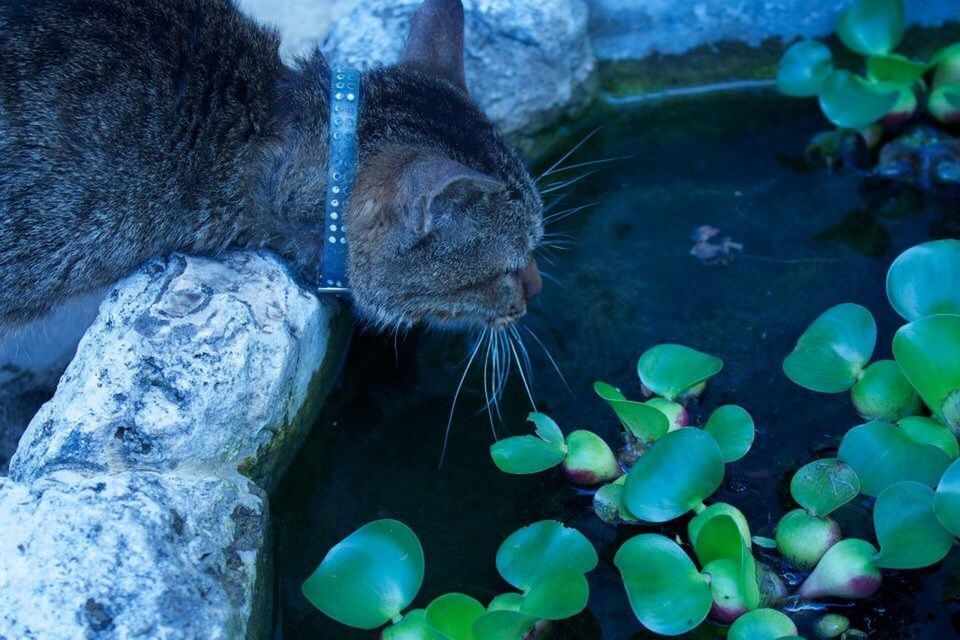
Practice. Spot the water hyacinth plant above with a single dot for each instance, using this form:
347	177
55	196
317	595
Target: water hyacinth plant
886	91
905	455
901	463
371	577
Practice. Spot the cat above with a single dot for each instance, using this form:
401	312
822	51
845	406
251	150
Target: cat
131	129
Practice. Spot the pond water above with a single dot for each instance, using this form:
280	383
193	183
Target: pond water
809	241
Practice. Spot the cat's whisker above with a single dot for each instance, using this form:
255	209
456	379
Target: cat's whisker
550	207
518	340
588	163
566	183
552	278
569	153
566	213
550	358
456	396
523	377
486	389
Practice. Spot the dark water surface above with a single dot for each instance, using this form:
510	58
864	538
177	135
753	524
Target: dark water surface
809	241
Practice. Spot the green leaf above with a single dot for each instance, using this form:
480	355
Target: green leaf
645	422
503	625
825	485
675	412
453	615
803	539
732	427
884	393
609	505
414	626
670	369
947	62
944	103
933	432
526	454
546	428
369	577
928	352
845	571
715	510
882	455
762	624
718	538
589	459
947	500
506	602
667	593
545	547
675	475
831	625
832	352
908	530
849	101
803	67
872	27
925	280
558	595
895	68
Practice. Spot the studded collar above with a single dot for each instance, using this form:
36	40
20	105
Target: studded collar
341	173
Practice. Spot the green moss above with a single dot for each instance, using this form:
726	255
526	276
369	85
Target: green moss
267	466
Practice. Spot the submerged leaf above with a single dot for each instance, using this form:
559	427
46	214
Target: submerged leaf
803	67
825	485
713	511
834	349
925	280
682	469
531	553
882	455
719	537
849	101
671	369
908	530
732	427
872	27
667	593
369	577
944	103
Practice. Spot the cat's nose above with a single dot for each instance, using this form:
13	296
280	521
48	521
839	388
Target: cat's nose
530	280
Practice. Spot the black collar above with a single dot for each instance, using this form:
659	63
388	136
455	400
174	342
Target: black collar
341	173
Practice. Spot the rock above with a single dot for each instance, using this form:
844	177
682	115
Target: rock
627	29
924	157
132	555
528	63
194	364
32	357
302	23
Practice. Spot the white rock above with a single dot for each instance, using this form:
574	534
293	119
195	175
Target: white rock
193	364
527	63
302	23
131	555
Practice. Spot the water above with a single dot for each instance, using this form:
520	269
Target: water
809	241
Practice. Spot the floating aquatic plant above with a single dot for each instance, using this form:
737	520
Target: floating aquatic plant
374	574
892	87
582	455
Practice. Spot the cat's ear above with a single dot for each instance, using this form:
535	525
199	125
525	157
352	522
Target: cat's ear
436	39
429	183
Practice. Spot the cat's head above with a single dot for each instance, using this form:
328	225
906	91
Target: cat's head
444	217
